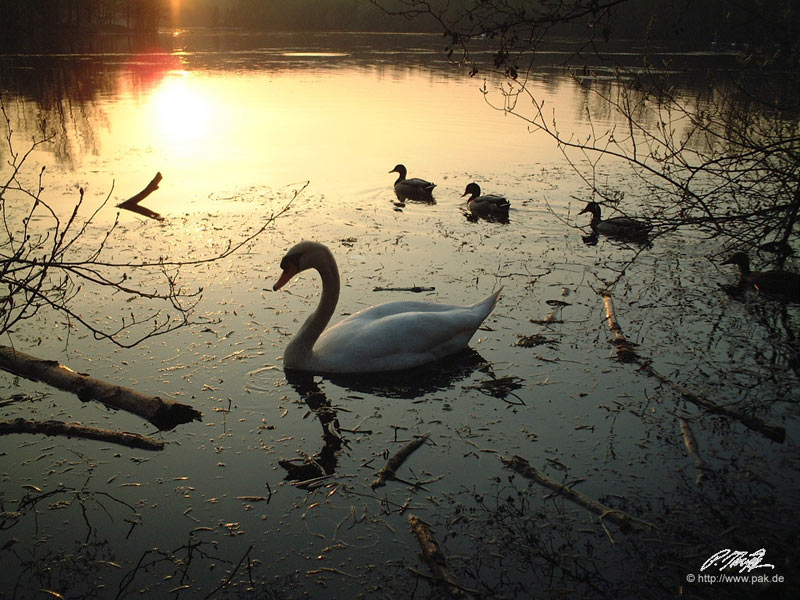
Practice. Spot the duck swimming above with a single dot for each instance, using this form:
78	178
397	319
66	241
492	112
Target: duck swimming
488	206
411	189
619	227
777	283
386	337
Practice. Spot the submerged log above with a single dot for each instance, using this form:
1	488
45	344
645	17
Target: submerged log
627	353
693	448
389	471
433	557
125	438
132	203
414	289
161	412
773	432
623	520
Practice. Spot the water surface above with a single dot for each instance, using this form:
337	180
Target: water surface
238	124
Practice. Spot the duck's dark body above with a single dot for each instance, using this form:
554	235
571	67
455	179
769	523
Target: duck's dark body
775	283
487	206
413	188
618	227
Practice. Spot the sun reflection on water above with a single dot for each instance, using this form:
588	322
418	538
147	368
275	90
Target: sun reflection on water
182	112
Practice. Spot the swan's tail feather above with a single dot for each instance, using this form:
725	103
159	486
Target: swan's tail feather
486	305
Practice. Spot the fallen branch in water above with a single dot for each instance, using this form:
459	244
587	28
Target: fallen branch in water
694	450
627	353
623	520
124	438
389	471
432	555
625	349
161	412
132	203
500	388
415	289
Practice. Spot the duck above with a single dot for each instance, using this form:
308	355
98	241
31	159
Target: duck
412	189
488	206
619	227
394	336
777	283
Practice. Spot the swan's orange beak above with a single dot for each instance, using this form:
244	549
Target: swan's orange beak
289	272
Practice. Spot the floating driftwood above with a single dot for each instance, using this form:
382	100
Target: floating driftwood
623	520
433	557
627	353
132	203
693	448
626	350
501	387
531	341
389	471
161	412
132	440
415	289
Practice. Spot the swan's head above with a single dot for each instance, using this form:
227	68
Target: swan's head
303	255
401	169
593	208
473	190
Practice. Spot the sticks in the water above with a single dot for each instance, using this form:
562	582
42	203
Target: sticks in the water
623	520
433	557
124	438
627	353
132	203
389	471
693	448
161	412
416	289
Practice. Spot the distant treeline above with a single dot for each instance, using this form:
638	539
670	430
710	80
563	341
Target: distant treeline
43	17
295	15
738	21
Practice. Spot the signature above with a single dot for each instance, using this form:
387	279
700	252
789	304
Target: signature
731	559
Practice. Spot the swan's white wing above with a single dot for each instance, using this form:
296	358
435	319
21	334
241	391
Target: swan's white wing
398	335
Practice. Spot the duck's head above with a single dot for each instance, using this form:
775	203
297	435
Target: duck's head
401	169
740	259
473	190
593	208
303	255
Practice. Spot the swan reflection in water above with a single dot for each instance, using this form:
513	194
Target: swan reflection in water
310	470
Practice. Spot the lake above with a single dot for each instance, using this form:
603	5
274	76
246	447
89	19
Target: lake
270	495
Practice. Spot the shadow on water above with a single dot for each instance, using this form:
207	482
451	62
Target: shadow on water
414	383
407	384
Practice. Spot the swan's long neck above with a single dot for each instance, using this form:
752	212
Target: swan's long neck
299	350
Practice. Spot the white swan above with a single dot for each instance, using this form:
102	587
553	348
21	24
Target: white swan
388	337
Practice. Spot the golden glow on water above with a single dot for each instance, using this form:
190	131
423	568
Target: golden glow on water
236	124
341	130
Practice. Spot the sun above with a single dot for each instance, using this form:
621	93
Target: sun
175	11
